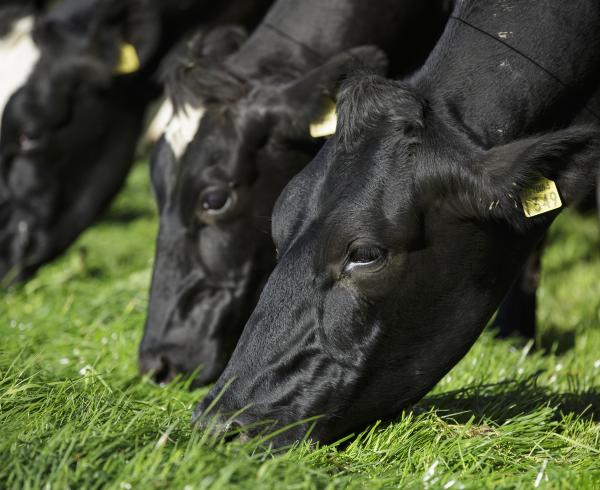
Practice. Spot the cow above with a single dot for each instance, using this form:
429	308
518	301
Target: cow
241	131
70	130
399	240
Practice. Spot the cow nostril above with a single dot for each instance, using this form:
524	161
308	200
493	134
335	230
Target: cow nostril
164	373
159	368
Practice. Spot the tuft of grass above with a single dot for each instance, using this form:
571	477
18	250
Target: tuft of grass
75	414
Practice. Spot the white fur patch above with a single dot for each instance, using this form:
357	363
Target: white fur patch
159	122
182	128
18	56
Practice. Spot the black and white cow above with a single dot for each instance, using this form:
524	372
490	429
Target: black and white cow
70	127
241	131
399	240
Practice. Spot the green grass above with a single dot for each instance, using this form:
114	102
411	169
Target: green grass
74	414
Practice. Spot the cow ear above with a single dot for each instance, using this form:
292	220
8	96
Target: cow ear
306	94
538	175
203	51
217	43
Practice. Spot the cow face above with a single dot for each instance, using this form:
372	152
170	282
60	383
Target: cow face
396	244
69	132
215	194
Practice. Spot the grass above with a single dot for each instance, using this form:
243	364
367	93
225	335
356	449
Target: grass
74	414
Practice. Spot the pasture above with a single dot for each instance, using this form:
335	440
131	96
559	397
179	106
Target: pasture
75	414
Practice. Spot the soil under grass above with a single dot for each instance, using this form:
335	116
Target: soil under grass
74	413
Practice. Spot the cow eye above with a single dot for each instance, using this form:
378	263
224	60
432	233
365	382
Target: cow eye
363	256
215	202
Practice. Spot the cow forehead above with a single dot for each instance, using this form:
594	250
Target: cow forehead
18	57
182	128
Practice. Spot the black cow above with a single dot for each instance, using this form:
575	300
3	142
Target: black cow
240	133
69	133
398	242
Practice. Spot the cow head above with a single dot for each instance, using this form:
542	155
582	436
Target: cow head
233	144
69	131
396	245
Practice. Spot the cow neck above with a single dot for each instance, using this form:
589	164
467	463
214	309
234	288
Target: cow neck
309	32
291	32
268	47
501	72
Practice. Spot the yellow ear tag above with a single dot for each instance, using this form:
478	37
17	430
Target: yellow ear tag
542	197
325	125
129	62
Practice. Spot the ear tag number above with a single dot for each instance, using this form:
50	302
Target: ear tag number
325	125
129	61
541	198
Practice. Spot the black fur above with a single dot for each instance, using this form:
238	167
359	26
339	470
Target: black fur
367	100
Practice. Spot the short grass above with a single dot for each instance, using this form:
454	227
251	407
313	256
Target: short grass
74	414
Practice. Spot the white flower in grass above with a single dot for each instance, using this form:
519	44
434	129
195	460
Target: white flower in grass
597	364
453	484
428	477
86	369
125	485
64	361
539	476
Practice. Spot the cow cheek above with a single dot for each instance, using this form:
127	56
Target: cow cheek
217	248
347	329
24	179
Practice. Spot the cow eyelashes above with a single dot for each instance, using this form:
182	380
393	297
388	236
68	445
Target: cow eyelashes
215	203
363	256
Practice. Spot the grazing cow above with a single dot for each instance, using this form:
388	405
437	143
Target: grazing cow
69	132
399	240
241	131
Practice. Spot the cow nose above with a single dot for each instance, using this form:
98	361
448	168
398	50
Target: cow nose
160	369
